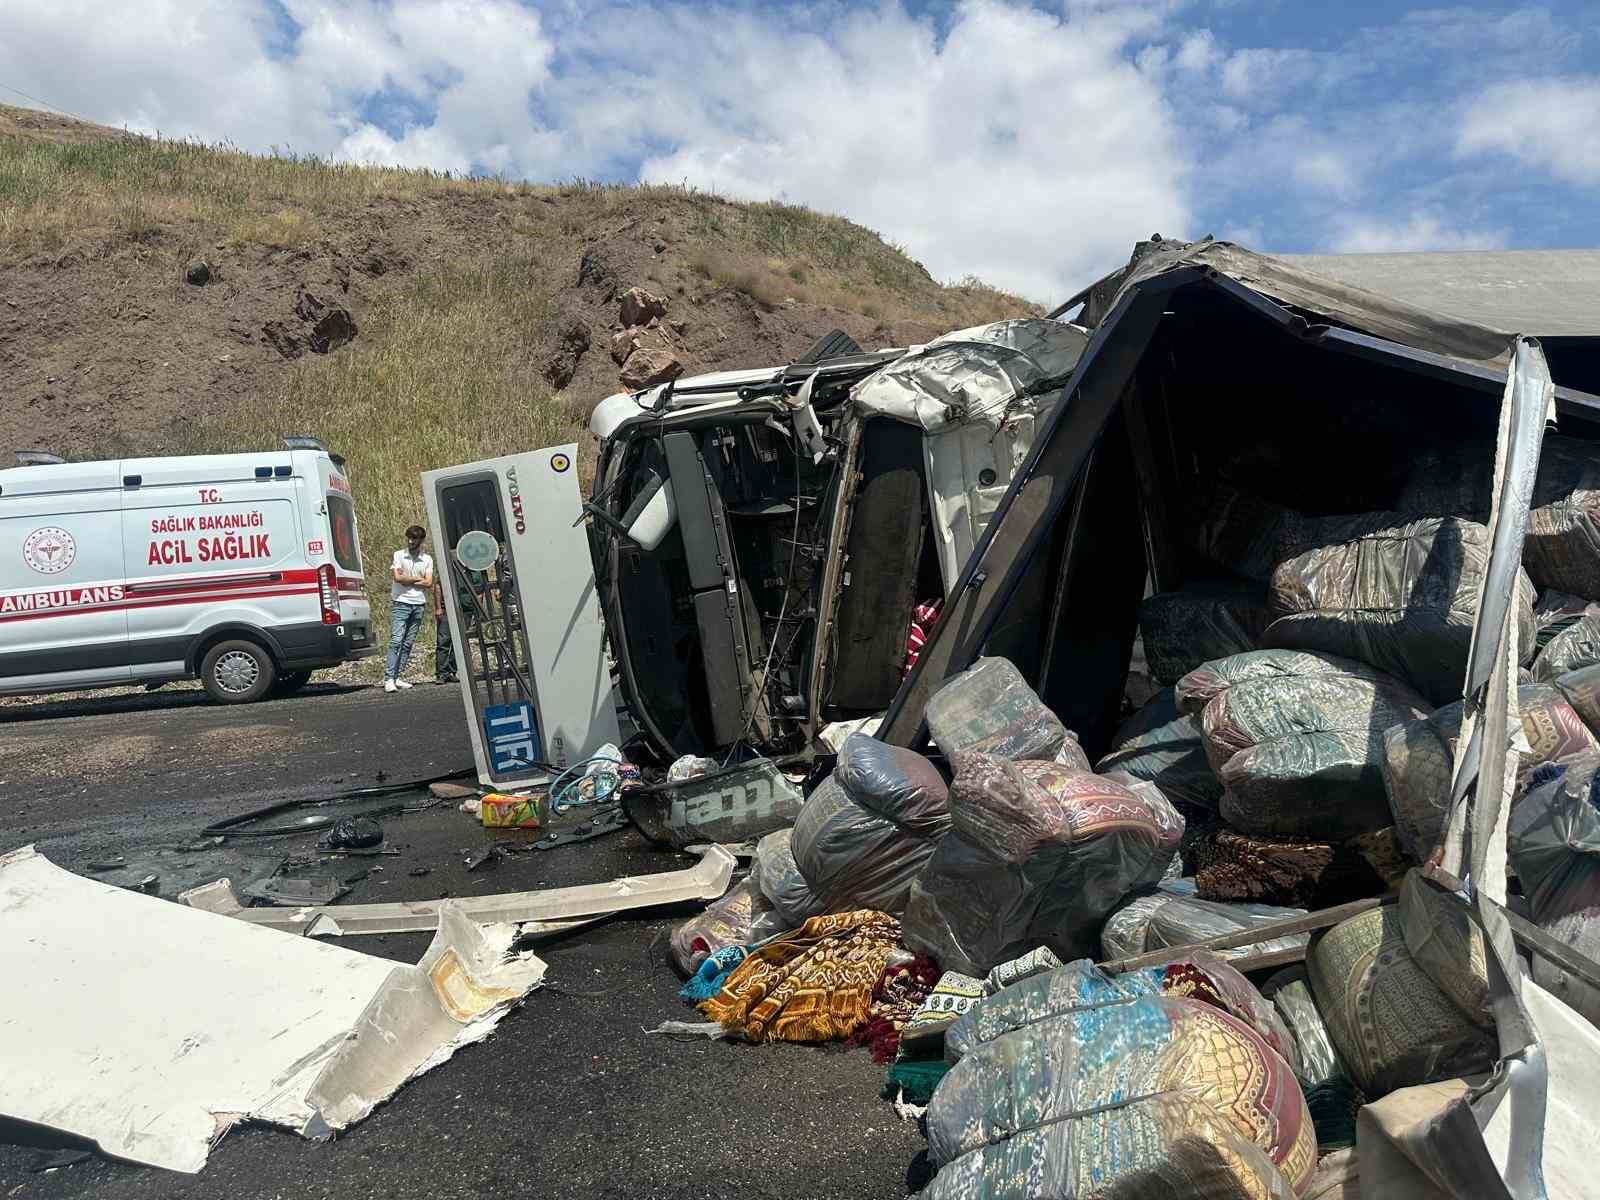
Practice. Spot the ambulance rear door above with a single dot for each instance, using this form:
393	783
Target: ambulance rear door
336	539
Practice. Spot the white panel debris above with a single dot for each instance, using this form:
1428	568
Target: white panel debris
534	913
151	1028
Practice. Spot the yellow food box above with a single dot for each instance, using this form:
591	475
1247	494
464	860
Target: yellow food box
500	811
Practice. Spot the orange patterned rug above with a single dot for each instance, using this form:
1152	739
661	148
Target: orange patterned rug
811	985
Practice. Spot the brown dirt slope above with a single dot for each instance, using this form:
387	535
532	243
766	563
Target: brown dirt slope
163	297
108	349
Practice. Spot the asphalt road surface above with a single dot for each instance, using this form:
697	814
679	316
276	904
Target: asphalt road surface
569	1097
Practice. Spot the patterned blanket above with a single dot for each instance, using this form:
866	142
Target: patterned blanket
812	985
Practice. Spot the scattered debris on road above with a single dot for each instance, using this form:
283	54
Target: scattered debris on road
1168	741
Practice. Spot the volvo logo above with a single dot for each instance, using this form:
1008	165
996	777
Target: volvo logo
516	501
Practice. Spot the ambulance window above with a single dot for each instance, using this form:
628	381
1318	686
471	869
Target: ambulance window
342	520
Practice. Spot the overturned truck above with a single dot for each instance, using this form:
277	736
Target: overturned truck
1301	501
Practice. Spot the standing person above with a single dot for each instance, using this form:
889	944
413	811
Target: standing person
412	574
444	658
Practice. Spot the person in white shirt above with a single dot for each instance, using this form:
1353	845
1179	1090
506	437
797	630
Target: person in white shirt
412	574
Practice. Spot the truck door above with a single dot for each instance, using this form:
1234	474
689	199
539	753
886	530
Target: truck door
529	638
63	614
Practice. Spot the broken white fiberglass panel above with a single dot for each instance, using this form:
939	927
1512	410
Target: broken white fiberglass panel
979	394
151	1028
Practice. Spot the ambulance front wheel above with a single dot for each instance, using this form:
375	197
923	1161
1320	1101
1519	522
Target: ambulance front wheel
237	672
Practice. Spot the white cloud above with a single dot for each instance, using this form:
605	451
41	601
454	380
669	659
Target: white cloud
950	148
1548	124
1003	141
1418	231
1027	143
1197	52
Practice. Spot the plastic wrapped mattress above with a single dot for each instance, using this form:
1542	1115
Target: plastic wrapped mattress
1145	1097
1296	739
1163	746
1039	855
1419	759
1399	595
867	831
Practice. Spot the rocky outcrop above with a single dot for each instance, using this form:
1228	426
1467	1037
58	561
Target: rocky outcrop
572	342
648	367
638	307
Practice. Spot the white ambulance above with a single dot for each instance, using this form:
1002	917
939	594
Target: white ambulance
242	570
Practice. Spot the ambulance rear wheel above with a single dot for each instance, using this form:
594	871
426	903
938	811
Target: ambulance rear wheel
291	681
237	672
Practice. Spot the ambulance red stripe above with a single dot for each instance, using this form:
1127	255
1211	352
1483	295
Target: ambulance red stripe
213	595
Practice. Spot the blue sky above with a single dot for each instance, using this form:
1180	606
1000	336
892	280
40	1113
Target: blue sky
1029	144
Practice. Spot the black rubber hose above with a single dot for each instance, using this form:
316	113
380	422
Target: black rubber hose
238	826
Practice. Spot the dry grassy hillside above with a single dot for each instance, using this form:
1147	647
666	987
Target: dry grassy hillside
164	297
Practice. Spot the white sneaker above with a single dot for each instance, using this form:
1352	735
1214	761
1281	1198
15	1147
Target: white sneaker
388	685
401	683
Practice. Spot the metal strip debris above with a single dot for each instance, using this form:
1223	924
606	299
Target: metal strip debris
706	880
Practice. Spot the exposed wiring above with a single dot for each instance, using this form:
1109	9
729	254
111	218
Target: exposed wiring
788	586
611	780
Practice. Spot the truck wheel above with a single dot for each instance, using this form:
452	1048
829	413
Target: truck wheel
291	681
237	672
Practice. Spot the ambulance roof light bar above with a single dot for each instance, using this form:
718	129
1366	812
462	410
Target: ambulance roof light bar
37	458
300	441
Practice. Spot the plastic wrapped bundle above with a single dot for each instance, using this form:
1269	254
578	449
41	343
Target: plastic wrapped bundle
1562	548
1553	841
869	829
742	916
898	784
1582	690
990	709
1162	746
1080	984
1419	757
1204	621
1296	743
1555	612
1172	915
1392	1024
779	878
1290	994
1398	595
1150	1096
1039	855
1182	921
1575	647
1206	682
1443	940
1123	934
1242	532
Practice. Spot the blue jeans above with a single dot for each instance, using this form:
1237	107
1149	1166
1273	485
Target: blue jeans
404	622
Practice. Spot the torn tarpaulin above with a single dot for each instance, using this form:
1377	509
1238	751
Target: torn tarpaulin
217	1022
